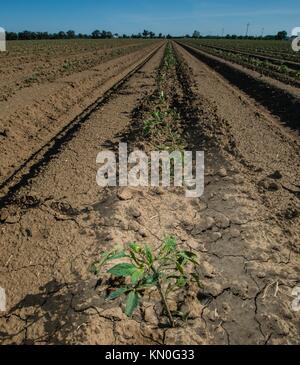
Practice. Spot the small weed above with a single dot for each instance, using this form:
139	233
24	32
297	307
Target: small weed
67	66
31	79
166	271
157	118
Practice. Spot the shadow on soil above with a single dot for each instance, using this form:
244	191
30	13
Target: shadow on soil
56	314
280	103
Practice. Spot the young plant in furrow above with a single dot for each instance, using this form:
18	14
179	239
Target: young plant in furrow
168	270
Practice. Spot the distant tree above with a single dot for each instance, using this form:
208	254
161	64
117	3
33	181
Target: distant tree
103	34
62	35
71	34
196	34
11	36
169	36
146	33
45	35
26	35
152	35
281	35
270	37
139	35
96	34
106	34
160	35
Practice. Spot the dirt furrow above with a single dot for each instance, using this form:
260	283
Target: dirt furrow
280	99
54	224
36	114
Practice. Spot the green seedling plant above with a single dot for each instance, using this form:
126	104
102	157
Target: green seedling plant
67	65
157	118
167	270
31	79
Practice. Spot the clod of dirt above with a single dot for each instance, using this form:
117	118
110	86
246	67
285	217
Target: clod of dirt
203	225
29	201
269	185
150	315
134	212
9	216
291	213
4	133
204	298
4	214
223	172
26	232
207	270
235	233
65	208
143	233
276	176
125	194
192	308
216	236
222	221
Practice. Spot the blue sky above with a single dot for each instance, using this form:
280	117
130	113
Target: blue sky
166	16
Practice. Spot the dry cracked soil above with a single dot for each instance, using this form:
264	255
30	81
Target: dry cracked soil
245	227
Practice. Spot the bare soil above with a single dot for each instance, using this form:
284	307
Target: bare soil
245	228
32	115
282	100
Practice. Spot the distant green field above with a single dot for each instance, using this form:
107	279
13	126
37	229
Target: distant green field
272	48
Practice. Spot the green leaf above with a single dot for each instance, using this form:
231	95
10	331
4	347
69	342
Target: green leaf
94	269
149	255
170	244
181	282
117	293
135	248
135	259
118	255
132	303
150	280
186	256
104	258
180	268
136	276
123	270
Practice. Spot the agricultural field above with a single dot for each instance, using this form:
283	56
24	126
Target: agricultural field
271	58
36	62
44	83
142	264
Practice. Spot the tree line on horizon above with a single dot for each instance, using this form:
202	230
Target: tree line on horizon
71	34
146	34
282	35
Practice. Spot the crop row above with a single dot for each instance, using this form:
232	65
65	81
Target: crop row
268	66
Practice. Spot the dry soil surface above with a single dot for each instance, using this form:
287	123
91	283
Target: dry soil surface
245	228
